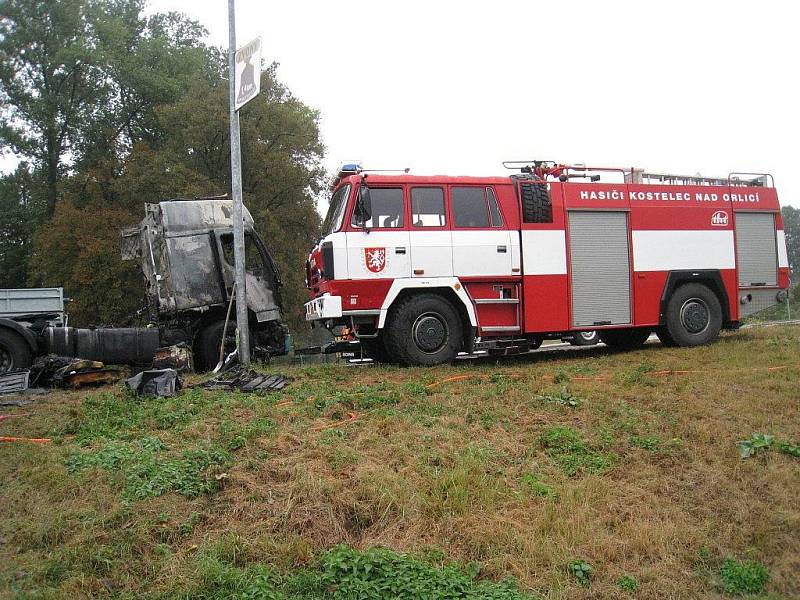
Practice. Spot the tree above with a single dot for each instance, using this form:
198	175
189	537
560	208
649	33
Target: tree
80	250
81	79
21	212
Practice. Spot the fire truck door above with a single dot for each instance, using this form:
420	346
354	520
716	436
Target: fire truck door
481	248
600	268
431	239
381	249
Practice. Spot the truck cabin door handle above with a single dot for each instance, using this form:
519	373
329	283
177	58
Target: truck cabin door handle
502	249
400	250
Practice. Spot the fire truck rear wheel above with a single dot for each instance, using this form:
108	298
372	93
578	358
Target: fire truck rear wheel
694	315
585	338
424	330
624	339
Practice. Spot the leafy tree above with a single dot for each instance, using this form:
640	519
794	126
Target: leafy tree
21	211
80	79
80	250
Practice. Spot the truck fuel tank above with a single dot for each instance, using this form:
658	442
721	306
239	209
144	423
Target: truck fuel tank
123	345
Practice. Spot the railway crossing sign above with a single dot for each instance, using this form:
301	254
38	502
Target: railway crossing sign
248	73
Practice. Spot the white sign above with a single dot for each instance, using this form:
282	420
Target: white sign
248	73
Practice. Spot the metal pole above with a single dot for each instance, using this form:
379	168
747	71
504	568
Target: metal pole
242	329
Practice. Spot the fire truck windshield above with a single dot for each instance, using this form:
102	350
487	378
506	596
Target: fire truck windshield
336	207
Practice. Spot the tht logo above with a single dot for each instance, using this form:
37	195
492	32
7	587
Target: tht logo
375	259
719	218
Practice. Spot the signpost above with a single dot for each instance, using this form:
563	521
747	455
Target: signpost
244	74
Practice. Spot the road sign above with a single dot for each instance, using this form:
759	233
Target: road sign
248	72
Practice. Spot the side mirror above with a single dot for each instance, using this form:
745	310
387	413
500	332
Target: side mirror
363	209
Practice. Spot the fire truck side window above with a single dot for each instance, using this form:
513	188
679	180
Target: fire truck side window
494	210
387	209
469	207
427	207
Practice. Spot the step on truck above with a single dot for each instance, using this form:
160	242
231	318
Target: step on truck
422	268
185	251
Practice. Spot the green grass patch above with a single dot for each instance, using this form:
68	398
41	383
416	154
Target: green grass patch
628	583
742	578
343	573
536	487
147	470
573	455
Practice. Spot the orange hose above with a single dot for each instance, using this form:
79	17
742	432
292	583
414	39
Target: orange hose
20	439
351	416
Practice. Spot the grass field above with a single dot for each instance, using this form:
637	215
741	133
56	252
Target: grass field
566	474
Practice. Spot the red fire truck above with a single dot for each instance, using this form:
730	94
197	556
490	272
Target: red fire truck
422	268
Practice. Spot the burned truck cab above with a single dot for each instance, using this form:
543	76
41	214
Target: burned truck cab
185	249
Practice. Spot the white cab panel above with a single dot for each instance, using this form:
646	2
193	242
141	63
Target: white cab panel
482	252
379	254
431	253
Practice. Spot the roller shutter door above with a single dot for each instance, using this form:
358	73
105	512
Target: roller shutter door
756	249
600	268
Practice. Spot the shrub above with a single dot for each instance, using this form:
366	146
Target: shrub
740	578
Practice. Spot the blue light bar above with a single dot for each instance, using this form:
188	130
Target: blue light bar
350	168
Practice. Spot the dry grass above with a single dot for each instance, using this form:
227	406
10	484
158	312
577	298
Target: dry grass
435	470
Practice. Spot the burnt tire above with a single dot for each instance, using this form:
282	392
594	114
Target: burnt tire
585	338
14	352
424	330
624	339
693	316
375	349
207	343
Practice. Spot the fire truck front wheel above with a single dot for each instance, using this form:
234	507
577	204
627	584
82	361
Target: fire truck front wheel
694	315
424	330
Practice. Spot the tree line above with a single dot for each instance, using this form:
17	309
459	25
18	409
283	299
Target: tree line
110	108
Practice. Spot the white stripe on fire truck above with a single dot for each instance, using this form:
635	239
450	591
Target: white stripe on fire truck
783	256
682	249
544	252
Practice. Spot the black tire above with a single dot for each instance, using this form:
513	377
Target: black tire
536	204
585	338
424	330
535	343
375	349
207	343
694	315
14	352
624	339
665	337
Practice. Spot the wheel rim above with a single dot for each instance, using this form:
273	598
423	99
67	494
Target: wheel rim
695	315
430	332
588	336
6	361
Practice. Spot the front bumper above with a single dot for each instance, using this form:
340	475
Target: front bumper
324	307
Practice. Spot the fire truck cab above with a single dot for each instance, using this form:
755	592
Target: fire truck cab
421	268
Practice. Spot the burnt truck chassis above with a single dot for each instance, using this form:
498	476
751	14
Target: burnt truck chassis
185	249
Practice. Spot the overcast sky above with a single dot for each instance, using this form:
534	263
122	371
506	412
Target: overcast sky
457	87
